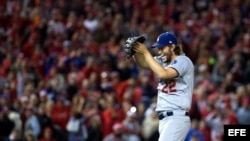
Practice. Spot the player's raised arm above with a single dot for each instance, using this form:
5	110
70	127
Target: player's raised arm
159	70
140	60
145	58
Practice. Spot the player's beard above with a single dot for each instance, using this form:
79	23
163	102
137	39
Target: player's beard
166	57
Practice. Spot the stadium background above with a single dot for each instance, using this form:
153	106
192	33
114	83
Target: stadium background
62	65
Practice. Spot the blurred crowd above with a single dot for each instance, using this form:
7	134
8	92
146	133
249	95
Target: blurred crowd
64	75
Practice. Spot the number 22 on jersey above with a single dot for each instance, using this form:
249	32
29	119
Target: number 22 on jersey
169	86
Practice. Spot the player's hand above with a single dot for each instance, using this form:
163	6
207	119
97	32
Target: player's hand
130	42
140	48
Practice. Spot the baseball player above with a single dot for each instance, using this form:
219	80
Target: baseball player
175	88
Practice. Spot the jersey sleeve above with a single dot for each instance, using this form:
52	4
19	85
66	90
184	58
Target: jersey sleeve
182	65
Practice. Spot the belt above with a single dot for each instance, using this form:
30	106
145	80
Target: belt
162	115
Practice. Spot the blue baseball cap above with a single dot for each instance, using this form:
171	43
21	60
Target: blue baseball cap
165	39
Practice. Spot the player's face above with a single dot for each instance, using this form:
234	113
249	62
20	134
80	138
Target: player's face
165	53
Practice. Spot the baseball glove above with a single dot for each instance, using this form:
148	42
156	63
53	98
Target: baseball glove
129	43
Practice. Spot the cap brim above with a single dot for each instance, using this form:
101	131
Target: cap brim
157	45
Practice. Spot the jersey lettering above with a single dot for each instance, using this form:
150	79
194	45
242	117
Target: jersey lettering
169	86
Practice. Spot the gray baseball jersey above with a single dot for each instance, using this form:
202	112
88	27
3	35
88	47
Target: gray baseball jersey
176	94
